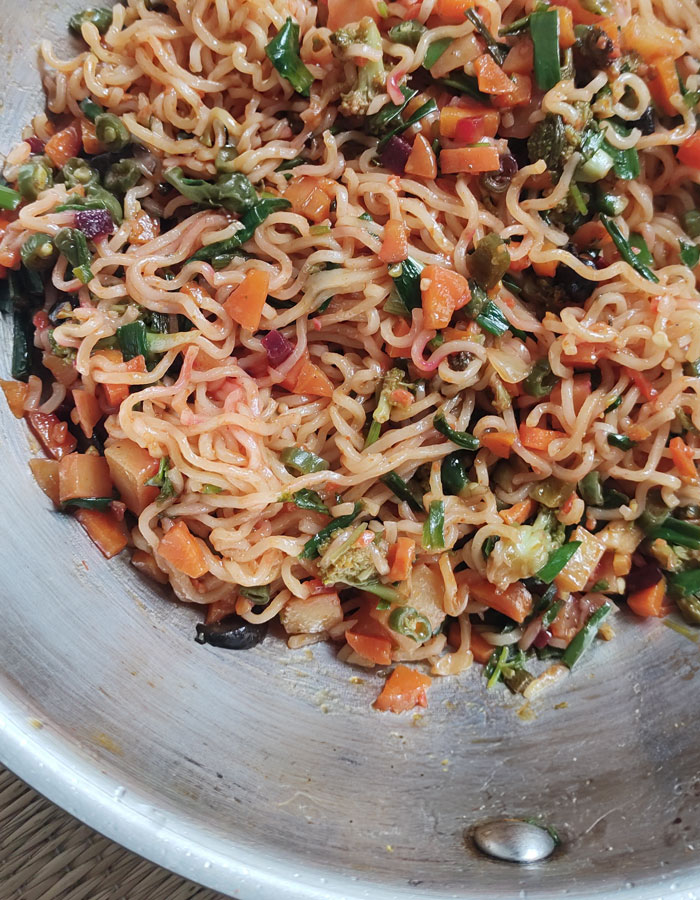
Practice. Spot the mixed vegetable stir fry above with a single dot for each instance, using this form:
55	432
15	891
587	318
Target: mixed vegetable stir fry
415	368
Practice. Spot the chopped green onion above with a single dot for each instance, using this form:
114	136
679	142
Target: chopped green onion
408	621
211	489
318	230
375	430
621	441
406	277
72	244
250	220
22	343
551	613
387	594
614	404
87	503
577	197
556	562
625	250
461	438
541	381
90	109
494	667
491	319
9	199
307	499
488	545
408	32
544	28
402	490
691	222
515	27
453	473
259	595
283	53
312	548
433	528
133	340
585	637
303	461
690	254
610	204
465	84
676	531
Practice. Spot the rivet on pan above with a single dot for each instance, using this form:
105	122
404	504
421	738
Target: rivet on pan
514	841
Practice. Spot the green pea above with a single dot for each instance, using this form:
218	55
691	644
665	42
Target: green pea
33	178
99	17
122	176
38	251
112	132
76	172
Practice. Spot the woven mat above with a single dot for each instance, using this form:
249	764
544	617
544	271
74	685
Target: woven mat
45	854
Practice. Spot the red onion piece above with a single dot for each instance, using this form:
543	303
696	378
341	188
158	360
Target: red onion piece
542	639
94	222
277	347
644	577
395	154
36	145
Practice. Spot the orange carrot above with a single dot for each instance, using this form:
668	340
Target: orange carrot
53	434
518	513
481	649
305	377
400	557
515	601
308	199
519	95
15	393
395	243
650	601
538	438
581	391
452	12
89	138
500	443
442	293
87	412
45	472
83	476
63	145
183	551
491	77
683	458
646	389
130	467
401	328
376	649
143	228
651	39
567	38
662	81
219	609
470	160
404	689
105	529
422	160
545	269
520	59
689	151
245	303
341	13
451	116
401	397
586	355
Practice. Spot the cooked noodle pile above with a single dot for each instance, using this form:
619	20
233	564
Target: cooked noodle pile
429	406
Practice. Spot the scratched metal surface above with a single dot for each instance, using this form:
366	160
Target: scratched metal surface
264	774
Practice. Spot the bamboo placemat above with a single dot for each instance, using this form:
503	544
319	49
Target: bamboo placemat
45	854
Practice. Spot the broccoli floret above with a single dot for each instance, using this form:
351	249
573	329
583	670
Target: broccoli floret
593	50
674	558
371	77
513	559
353	567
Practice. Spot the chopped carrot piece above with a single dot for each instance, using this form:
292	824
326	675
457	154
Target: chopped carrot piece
515	601
305	377
143	228
519	95
83	476
63	145
521	58
443	291
401	328
491	77
401	557
546	269
52	433
500	443
15	393
567	38
245	303
689	152
470	160
220	609
453	11
518	513
646	389
650	601
451	116
87	412
376	649
651	39
395	243
105	529
581	391
183	551
586	355
683	458
404	689
45	472
538	438
481	649
308	199
89	138
422	160
341	13
664	85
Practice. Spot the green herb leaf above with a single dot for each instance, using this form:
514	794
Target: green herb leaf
402	490
283	53
161	480
626	252
428	107
497	50
621	441
307	499
250	221
406	277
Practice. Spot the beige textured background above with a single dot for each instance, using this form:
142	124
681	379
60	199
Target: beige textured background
46	854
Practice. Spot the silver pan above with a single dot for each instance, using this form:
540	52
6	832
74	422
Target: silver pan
265	774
